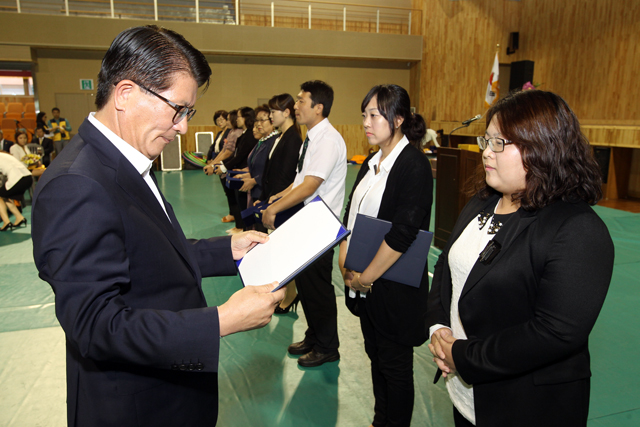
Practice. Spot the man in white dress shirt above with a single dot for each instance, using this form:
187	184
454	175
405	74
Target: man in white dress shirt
322	170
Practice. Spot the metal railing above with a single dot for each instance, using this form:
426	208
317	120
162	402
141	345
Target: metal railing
283	13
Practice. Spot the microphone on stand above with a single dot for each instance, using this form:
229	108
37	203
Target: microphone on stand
471	120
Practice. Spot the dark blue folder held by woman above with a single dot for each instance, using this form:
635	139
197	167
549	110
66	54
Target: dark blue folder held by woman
366	238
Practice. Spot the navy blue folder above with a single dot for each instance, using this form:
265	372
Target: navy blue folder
234	183
366	238
253	214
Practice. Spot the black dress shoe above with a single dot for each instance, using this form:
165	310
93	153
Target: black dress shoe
300	348
315	358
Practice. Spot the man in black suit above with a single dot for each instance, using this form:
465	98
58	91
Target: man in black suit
46	143
5	144
142	345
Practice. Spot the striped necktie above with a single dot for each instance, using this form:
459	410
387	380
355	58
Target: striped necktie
304	151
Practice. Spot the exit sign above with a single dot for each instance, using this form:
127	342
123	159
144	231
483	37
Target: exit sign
86	84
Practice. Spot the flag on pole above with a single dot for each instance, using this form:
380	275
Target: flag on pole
493	87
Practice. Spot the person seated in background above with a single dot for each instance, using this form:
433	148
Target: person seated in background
46	143
5	144
19	150
524	274
16	179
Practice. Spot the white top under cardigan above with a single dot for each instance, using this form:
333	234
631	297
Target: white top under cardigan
368	194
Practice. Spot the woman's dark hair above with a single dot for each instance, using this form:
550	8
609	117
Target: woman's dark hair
321	93
284	102
556	156
219	113
21	132
39	118
248	115
151	56
233	119
393	102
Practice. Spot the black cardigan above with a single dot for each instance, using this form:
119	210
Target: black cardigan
244	145
280	169
396	310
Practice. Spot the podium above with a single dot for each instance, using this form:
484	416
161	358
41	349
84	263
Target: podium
455	167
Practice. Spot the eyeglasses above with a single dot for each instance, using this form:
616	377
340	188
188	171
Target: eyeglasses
496	144
182	111
263	120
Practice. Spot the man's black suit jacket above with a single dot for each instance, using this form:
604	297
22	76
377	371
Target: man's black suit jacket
6	145
528	313
142	346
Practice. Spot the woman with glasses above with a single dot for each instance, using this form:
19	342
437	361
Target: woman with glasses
523	277
257	159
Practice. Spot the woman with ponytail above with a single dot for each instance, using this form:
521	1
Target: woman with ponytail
394	184
280	169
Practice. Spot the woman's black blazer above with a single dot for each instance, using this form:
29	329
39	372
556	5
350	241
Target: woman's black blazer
396	310
280	169
528	313
244	145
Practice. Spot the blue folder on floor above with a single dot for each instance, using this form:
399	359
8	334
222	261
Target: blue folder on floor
366	238
253	214
291	248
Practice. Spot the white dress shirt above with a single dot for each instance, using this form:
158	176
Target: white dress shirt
326	158
139	161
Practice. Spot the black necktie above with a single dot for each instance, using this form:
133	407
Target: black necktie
304	151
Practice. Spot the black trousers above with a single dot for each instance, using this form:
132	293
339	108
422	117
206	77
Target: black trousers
391	373
241	204
318	299
231	197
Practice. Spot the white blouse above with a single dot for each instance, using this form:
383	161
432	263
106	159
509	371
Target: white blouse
368	194
462	257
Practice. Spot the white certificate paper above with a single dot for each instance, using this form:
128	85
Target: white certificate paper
293	246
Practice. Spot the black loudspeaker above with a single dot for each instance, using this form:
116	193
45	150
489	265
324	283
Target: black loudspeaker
514	41
521	72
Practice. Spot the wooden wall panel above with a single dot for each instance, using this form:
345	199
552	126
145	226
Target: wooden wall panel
585	50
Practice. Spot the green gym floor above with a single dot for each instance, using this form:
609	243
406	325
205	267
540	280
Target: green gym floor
260	384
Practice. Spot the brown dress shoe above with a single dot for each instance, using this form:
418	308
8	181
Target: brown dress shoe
315	358
299	348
